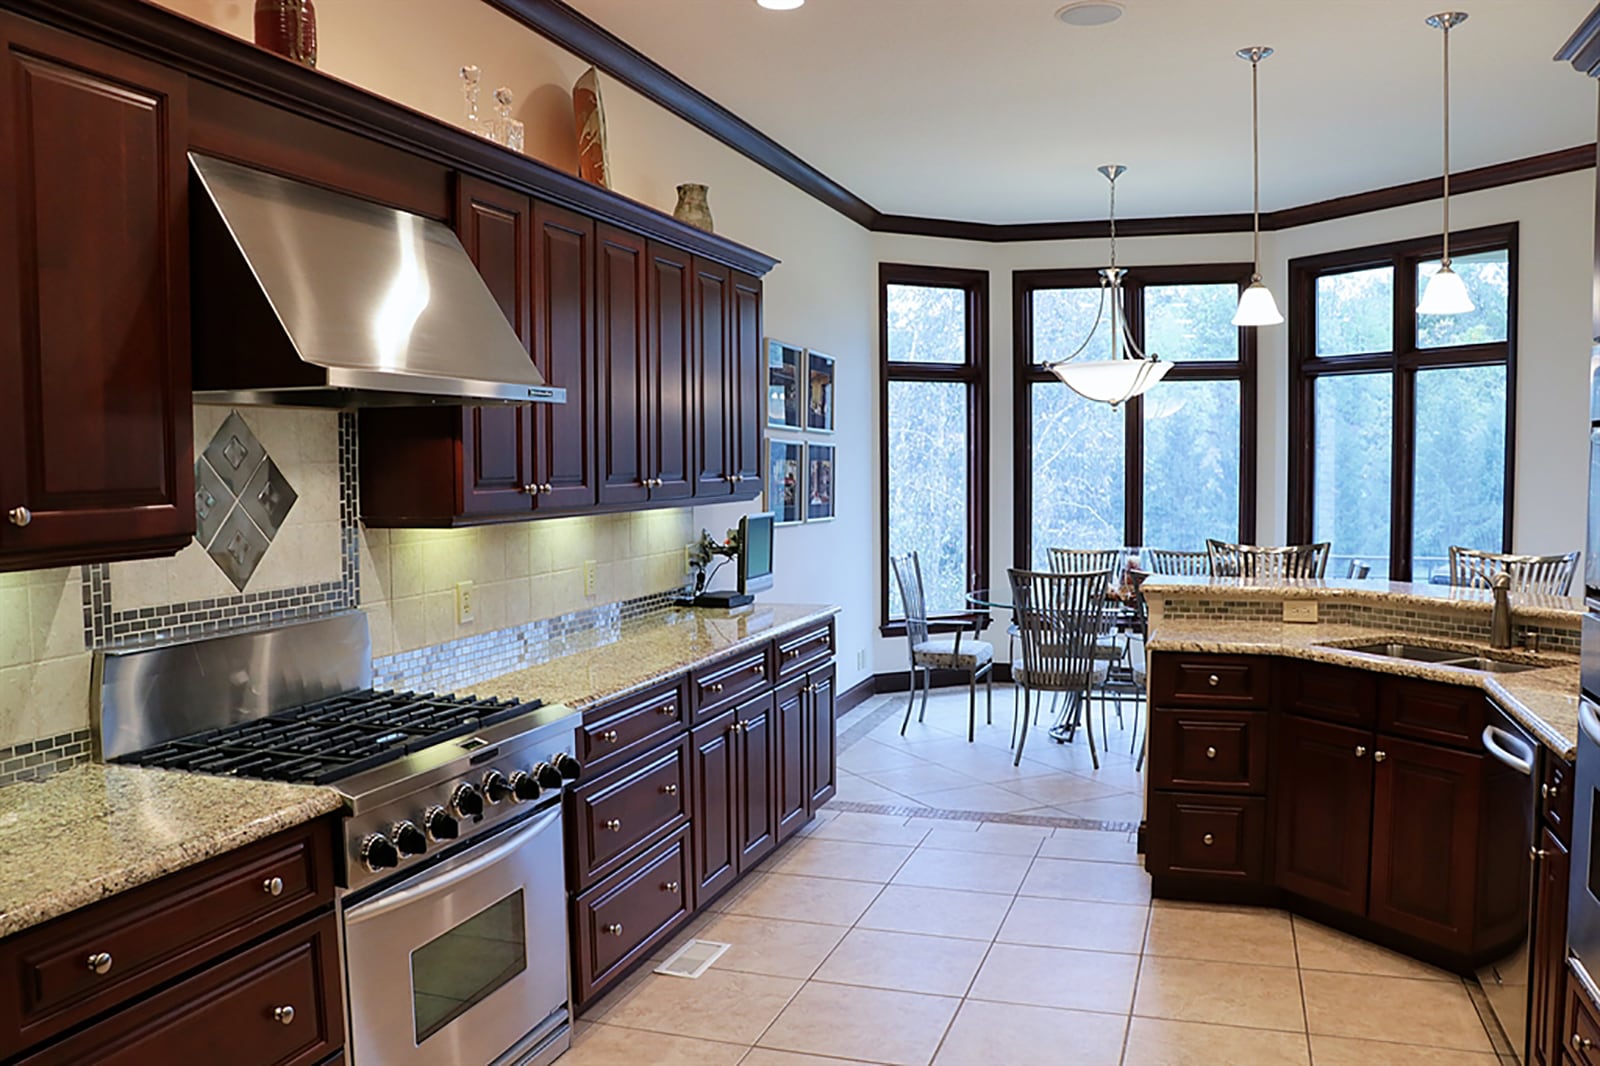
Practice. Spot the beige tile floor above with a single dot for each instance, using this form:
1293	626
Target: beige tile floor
970	941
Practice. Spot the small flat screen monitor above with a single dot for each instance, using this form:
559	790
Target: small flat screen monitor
755	552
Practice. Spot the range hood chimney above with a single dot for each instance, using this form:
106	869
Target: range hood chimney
310	298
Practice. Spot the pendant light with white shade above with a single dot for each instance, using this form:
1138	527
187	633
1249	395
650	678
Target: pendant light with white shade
1129	372
1446	293
1256	305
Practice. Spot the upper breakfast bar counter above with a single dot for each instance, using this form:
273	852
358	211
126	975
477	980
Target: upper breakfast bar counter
651	649
1544	700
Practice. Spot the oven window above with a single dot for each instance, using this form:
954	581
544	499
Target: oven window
452	972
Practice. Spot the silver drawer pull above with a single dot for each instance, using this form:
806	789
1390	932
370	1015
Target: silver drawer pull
1211	753
1581	1043
1361	749
283	1014
20	516
273	886
1549	792
1537	853
615	825
1213	681
668	709
1208	840
1379	756
669	790
613	930
100	962
609	736
669	886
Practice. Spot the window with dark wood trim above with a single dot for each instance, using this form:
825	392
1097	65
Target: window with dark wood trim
933	418
1138	451
1402	427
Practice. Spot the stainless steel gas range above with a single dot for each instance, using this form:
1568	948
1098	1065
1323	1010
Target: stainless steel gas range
452	871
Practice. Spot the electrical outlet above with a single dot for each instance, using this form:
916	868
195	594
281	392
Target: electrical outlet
464	613
861	659
688	558
588	577
1299	610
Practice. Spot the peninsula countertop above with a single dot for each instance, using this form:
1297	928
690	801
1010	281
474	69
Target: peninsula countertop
1529	606
652	648
90	832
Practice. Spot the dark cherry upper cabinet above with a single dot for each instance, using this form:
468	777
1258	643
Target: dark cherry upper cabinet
671	341
1548	952
789	731
747	413
821	720
1427	801
1323	811
712	284
494	225
96	437
623	358
564	437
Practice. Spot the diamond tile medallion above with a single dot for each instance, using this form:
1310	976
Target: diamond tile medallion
241	500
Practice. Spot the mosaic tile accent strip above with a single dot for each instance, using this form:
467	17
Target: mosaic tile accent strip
460	663
944	815
105	627
39	759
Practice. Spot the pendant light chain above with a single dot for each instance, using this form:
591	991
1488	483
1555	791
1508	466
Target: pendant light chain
1445	261
1255	156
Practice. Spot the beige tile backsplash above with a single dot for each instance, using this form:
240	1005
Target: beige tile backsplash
44	669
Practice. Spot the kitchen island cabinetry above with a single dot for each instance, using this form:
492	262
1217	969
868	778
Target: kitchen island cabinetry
96	444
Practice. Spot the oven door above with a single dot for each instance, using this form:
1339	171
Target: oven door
465	961
1583	895
1591	555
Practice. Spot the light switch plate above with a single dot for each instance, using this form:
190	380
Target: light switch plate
1299	610
464	613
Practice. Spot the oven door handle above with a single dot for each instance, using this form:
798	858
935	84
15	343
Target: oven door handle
1587	719
1509	749
446	878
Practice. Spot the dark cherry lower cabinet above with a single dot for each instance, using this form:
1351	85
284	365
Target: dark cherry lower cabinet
96	439
715	772
1547	947
1324	824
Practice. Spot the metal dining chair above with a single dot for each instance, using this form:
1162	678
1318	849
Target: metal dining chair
1109	647
1258	561
1058	617
1178	564
1551	574
1077	560
930	653
1358	569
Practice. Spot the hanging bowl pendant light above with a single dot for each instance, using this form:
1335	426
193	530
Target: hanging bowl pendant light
1446	293
1256	305
1129	372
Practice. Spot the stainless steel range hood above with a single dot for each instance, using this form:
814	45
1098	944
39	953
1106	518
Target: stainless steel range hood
311	298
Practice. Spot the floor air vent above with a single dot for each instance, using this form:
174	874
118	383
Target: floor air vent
693	959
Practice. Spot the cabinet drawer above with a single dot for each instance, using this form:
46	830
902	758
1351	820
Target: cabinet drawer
630	726
1581	1037
1193	835
620	919
157	931
1556	794
1210	680
1332	693
722	684
626	807
274	1005
1441	714
1208	751
801	650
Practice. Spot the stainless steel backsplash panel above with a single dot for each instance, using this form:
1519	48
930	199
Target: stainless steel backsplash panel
148	696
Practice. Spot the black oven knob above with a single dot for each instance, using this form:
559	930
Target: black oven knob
378	854
496	787
568	767
525	787
467	801
547	776
439	824
408	838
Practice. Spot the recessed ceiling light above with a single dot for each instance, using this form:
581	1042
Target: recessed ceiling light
1090	13
780	5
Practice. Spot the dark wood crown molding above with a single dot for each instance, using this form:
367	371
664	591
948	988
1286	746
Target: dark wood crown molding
1582	49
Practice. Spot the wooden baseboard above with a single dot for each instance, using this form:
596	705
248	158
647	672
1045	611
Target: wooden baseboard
855	696
900	680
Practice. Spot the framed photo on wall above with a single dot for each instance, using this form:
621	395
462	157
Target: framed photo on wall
785	496
819	481
819	391
785	385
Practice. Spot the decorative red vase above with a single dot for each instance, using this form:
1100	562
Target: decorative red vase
289	28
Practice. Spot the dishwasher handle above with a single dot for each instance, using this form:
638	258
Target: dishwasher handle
1587	719
1509	749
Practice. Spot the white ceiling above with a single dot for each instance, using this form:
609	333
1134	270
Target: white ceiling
992	111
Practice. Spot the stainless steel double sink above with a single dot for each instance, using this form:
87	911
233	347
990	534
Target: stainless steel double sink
1417	653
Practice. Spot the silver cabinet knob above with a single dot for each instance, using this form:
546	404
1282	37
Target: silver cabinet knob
614	824
547	488
283	1014
273	886
20	516
669	886
613	930
1361	749
609	736
1211	753
1213	681
669	790
1549	792
1581	1043
1379	756
1537	853
531	490
100	962
667	709
1208	840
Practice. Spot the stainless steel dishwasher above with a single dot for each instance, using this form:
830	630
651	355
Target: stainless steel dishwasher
1512	827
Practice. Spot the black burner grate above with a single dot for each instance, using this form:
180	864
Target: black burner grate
333	738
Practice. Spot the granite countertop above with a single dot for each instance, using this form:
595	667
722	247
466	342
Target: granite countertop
1525	605
93	831
1545	701
650	649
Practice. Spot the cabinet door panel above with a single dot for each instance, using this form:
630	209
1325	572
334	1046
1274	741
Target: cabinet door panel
821	766
671	345
716	848
757	782
96	435
790	734
497	441
747	415
1198	835
1323	776
712	297
1427	802
626	381
1548	952
563	348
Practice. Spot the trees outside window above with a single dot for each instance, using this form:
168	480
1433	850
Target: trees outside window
1401	424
